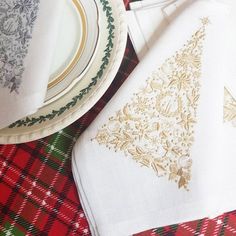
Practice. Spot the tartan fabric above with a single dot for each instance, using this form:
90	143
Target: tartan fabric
38	194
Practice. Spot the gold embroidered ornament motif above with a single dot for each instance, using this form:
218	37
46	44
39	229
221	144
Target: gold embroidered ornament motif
229	108
156	128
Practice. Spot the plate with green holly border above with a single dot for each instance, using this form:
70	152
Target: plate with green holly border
89	89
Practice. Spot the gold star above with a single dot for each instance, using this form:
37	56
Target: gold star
205	21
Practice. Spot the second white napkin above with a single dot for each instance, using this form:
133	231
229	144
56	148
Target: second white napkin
160	13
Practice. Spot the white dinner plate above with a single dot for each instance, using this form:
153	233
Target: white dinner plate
75	47
88	89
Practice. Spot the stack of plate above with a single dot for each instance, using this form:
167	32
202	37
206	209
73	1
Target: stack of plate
89	50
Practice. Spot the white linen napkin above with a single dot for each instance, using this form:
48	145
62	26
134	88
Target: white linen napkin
28	30
225	170
145	12
146	161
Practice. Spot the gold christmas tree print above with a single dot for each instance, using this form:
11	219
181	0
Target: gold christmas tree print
156	128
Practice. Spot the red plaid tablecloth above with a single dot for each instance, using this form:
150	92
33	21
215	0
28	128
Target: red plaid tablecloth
38	194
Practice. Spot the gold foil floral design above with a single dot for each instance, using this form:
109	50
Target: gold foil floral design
156	128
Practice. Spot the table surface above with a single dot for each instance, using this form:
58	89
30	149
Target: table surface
37	191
